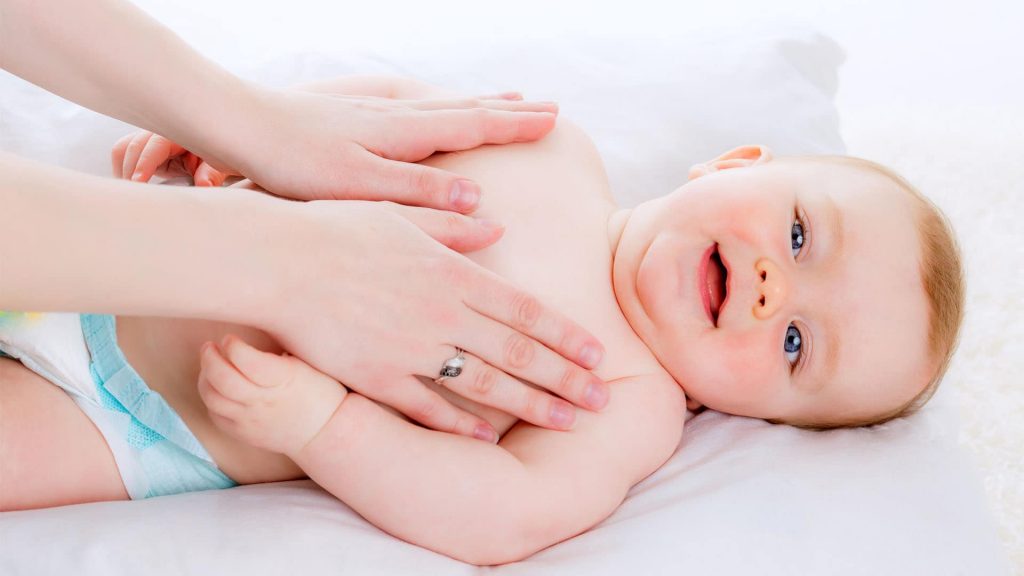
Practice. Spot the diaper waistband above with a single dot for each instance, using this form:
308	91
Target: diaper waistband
169	457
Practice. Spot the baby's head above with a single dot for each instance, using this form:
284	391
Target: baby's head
816	291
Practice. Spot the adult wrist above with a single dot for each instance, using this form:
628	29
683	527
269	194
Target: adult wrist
223	123
255	252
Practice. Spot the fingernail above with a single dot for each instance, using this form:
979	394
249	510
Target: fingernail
485	433
137	176
596	396
464	194
590	356
551	106
562	414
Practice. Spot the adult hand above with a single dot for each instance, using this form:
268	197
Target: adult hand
355	314
312	146
295	144
143	154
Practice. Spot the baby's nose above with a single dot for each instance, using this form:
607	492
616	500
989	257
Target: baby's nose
772	289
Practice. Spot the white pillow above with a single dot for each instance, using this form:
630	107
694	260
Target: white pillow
653	107
739	496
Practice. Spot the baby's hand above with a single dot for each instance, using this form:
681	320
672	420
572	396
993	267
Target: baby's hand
141	155
278	403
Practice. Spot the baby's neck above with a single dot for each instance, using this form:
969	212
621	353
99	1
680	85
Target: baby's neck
616	224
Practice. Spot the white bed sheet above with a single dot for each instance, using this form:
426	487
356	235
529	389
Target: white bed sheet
739	496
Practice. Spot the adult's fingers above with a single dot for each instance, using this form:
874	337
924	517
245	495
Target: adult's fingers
484	383
508	104
499	300
450	130
517	354
502	96
412	398
456	231
415	185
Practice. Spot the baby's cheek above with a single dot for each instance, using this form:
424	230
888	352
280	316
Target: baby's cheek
747	358
746	225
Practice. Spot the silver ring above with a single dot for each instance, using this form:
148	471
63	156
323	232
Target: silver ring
452	366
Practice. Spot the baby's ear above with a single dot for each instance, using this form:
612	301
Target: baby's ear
741	157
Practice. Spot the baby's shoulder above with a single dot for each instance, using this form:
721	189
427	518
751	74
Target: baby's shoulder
566	159
571	139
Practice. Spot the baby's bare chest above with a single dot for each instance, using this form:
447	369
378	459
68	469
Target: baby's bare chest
555	206
554	203
552	198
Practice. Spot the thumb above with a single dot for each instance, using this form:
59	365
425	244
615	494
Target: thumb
457	231
262	368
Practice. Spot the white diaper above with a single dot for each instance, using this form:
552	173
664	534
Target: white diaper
155	452
51	345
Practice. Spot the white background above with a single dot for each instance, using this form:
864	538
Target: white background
934	89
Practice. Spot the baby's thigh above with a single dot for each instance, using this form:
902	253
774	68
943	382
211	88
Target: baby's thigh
51	454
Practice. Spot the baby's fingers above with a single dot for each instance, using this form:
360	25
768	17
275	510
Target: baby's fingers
217	403
222	411
132	153
117	155
268	370
224	378
156	152
206	175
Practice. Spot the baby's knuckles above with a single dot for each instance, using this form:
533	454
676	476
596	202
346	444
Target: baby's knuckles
289	415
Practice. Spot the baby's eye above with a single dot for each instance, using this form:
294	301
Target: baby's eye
796	236
792	345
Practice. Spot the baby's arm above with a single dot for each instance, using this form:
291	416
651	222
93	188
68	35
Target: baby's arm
474	501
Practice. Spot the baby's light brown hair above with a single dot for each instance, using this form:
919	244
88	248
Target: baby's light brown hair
942	278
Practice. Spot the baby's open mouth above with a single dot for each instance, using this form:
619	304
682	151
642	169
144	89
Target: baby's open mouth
715	284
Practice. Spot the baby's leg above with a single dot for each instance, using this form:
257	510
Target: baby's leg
51	454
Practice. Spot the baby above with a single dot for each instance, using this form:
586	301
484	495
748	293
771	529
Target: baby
820	292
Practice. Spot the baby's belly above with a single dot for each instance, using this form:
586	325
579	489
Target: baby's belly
165	353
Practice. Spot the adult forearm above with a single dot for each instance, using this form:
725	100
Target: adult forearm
75	242
112	57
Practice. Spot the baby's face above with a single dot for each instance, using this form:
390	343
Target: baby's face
816	311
